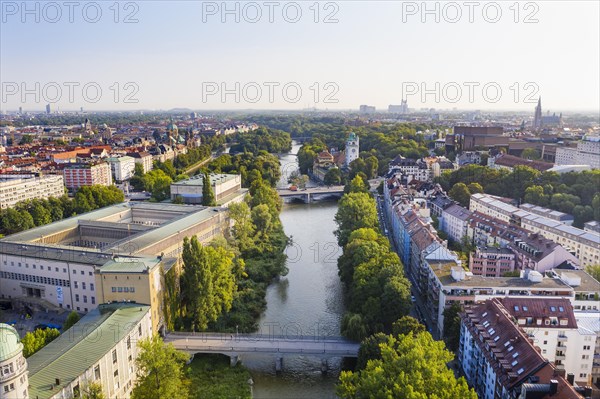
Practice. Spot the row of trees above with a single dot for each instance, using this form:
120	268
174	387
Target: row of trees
263	139
37	212
260	166
378	293
408	363
231	274
575	193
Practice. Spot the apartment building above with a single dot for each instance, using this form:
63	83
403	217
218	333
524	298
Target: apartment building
87	174
552	325
224	187
122	168
586	153
454	222
585	245
143	158
23	187
492	261
500	361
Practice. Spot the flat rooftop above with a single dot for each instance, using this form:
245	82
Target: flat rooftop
127	229
198	180
71	354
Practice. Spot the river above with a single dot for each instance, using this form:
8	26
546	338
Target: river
308	301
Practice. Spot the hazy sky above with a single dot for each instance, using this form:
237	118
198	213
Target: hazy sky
182	54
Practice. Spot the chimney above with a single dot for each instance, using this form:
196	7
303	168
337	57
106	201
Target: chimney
553	386
571	378
587	392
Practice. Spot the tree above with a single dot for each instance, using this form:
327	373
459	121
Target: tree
535	195
356	210
411	367
370	350
407	325
475	188
531	154
208	196
14	221
72	318
460	193
34	341
243	226
452	325
357	185
594	271
354	326
333	177
160	371
207	282
92	390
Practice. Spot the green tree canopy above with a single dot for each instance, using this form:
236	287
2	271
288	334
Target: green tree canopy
461	194
410	367
72	318
208	196
160	371
207	282
356	210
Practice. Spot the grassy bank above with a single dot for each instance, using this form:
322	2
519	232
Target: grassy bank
211	377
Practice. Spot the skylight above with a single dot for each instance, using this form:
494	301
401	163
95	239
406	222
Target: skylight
525	309
510	348
560	308
515	354
514	363
520	371
516	308
553	308
496	338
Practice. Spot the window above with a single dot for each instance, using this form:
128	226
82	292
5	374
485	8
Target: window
74	271
77	297
82	273
586	347
119	289
97	372
90	273
553	308
114	356
114	289
75	284
525	309
140	330
128	342
91	286
582	375
131	289
93	298
85	299
545	342
83	286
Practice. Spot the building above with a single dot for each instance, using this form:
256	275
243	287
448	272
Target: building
454	221
541	121
366	109
552	325
449	282
500	361
472	138
14	380
585	245
226	188
508	162
352	149
143	158
23	187
399	109
535	252
549	213
122	167
56	265
491	261
586	153
136	280
323	162
87	174
586	288
101	347
591	322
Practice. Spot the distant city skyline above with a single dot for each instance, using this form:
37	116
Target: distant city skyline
375	54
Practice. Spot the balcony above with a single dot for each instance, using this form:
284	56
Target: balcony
562	357
562	338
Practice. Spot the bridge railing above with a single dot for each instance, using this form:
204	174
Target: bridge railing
258	337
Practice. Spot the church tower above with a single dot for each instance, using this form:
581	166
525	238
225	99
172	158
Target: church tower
537	118
352	149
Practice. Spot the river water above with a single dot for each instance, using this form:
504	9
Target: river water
308	301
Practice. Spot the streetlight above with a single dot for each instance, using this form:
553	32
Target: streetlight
237	332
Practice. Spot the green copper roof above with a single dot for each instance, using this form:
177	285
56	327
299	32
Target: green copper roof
352	136
10	342
81	347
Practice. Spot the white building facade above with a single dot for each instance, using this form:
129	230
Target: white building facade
16	188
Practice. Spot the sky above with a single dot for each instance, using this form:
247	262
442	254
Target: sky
153	55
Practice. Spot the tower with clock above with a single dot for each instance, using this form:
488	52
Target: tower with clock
352	149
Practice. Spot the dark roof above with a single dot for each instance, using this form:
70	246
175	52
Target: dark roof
542	309
511	161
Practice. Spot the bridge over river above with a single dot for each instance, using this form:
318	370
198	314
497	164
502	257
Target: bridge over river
311	194
234	345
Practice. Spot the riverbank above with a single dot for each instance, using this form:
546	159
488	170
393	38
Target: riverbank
211	377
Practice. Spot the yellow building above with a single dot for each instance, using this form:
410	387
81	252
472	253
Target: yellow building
135	280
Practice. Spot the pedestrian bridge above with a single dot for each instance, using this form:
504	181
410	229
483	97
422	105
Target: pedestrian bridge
311	194
234	345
